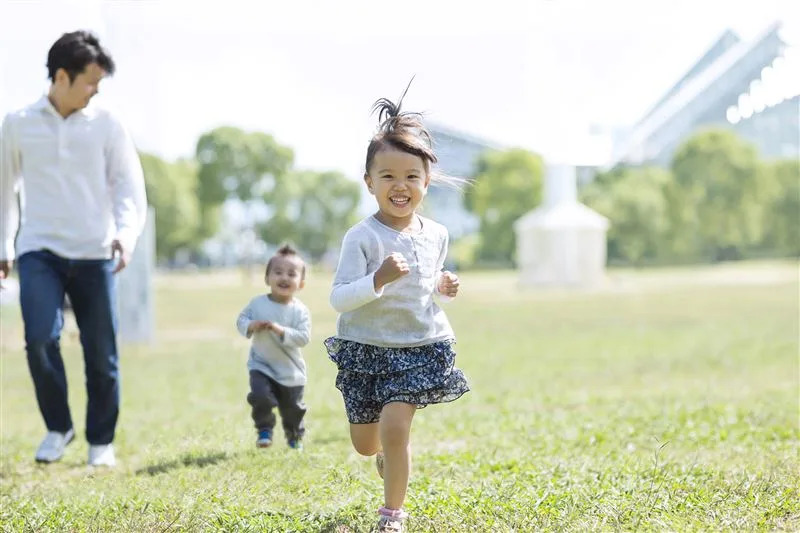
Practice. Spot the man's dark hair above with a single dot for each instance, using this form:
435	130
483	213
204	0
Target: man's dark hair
74	51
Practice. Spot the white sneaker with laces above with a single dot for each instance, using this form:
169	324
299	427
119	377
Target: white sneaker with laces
52	446
102	455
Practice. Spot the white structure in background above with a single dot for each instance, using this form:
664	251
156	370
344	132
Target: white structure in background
135	288
562	242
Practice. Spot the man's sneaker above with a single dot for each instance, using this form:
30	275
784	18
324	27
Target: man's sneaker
102	455
52	446
379	463
296	444
391	520
264	438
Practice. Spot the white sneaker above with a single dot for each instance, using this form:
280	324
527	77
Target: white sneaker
102	455
52	446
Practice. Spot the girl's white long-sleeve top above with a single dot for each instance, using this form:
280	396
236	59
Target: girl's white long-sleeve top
403	313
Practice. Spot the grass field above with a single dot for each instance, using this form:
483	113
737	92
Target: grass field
667	401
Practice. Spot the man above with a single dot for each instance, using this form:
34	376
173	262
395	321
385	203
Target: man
83	207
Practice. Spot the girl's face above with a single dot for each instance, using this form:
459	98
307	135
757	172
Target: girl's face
399	182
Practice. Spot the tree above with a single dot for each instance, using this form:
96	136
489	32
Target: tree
171	191
235	163
782	220
719	194
633	200
311	209
507	185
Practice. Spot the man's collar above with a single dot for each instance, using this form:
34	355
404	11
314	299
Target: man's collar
45	104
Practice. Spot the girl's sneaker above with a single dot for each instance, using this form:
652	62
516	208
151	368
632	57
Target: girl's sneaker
391	520
379	463
296	444
264	438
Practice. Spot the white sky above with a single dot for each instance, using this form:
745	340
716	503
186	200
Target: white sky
531	73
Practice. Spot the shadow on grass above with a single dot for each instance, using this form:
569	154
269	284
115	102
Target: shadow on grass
187	460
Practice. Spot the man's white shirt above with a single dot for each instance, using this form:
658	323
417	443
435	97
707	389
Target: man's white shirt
80	183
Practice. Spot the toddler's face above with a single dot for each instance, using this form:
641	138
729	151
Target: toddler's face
285	276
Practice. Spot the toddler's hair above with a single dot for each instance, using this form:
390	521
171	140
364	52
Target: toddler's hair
286	251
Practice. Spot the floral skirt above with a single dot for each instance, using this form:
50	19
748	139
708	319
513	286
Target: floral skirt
371	376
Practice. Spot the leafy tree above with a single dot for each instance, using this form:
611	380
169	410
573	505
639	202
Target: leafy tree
239	164
171	191
312	209
633	200
782	220
507	185
719	194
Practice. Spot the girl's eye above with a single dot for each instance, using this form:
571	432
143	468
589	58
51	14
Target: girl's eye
413	177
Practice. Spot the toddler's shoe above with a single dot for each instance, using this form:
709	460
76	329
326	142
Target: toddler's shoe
296	444
264	438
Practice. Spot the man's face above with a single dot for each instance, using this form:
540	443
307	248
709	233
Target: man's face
77	94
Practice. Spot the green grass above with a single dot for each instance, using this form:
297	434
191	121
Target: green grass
668	401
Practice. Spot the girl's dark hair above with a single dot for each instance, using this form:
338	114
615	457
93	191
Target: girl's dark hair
404	131
286	251
400	130
74	51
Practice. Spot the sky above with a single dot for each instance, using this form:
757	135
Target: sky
540	74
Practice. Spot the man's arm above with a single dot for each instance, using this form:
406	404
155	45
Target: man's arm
126	179
10	173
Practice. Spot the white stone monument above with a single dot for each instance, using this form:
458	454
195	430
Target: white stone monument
135	288
562	242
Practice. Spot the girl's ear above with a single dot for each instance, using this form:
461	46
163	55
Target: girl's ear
368	181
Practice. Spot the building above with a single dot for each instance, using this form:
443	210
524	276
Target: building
458	154
749	87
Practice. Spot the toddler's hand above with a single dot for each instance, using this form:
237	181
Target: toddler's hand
393	267
448	284
259	325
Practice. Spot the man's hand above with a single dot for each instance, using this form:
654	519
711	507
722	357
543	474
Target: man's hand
393	267
448	284
123	257
5	270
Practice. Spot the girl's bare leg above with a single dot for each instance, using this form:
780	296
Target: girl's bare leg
394	429
365	438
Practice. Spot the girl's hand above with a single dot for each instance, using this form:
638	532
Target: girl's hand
448	284
393	267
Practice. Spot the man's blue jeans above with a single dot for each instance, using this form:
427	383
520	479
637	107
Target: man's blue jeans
44	279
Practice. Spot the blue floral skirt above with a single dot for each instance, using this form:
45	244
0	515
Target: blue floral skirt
371	376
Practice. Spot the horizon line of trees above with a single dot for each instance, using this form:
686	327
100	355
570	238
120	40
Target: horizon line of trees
280	203
717	200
